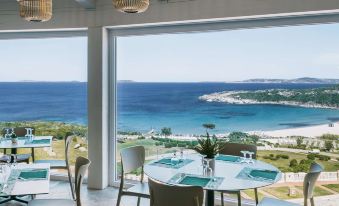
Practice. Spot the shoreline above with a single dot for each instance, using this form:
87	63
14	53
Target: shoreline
306	131
228	98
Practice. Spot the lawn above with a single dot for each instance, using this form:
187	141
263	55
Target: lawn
317	191
250	193
334	187
283	164
282	192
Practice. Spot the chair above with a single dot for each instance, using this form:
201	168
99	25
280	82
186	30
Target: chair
133	158
168	195
81	166
309	185
63	164
20	132
235	150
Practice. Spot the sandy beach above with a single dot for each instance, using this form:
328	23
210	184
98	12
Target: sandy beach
310	131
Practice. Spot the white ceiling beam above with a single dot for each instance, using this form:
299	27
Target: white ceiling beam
87	4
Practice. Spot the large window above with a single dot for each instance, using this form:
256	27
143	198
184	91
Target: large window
273	87
43	84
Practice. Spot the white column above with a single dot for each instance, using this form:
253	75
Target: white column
98	126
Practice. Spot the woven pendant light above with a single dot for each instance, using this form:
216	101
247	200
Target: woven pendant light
131	6
36	10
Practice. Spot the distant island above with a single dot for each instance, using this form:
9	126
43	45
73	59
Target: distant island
303	80
326	97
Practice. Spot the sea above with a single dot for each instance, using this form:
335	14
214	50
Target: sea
143	107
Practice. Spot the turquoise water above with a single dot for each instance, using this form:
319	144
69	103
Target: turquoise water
143	106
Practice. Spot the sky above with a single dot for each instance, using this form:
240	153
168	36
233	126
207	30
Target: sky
55	59
281	52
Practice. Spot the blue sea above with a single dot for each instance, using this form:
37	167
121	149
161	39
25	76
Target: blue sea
146	106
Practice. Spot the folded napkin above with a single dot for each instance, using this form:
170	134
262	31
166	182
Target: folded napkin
228	158
34	174
195	181
41	141
168	161
263	174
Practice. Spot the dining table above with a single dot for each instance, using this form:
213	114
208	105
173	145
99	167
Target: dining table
26	142
23	180
229	173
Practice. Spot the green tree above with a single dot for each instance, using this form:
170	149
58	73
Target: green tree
329	145
166	131
208	126
299	141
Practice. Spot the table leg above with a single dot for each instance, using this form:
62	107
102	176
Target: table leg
209	198
14	151
33	157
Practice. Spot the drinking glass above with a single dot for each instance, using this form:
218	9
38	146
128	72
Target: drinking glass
174	159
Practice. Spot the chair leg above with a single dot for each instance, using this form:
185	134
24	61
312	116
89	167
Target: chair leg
138	204
312	202
239	198
119	198
222	199
256	196
70	182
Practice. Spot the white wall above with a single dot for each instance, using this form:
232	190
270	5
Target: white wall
68	14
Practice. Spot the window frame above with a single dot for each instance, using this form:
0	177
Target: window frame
213	25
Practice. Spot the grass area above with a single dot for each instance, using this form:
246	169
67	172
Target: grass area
283	164
317	191
334	187
282	192
250	193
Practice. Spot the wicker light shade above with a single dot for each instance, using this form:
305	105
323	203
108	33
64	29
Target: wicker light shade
131	6
36	10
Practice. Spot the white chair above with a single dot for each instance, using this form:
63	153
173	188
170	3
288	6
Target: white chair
309	184
133	158
81	166
168	195
63	164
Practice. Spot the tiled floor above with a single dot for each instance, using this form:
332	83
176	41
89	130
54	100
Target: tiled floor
108	197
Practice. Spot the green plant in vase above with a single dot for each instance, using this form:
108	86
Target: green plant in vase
208	146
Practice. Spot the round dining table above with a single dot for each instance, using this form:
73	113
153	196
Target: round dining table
227	176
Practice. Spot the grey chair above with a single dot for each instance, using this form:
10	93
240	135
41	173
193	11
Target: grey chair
168	195
235	150
63	164
81	166
133	158
309	185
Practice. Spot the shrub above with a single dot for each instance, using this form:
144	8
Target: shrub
168	145
284	156
271	155
293	163
324	157
311	156
141	137
158	143
181	144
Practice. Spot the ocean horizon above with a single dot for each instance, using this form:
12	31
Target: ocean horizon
144	106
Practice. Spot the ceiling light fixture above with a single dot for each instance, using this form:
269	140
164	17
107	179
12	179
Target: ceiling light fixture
131	6
36	10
